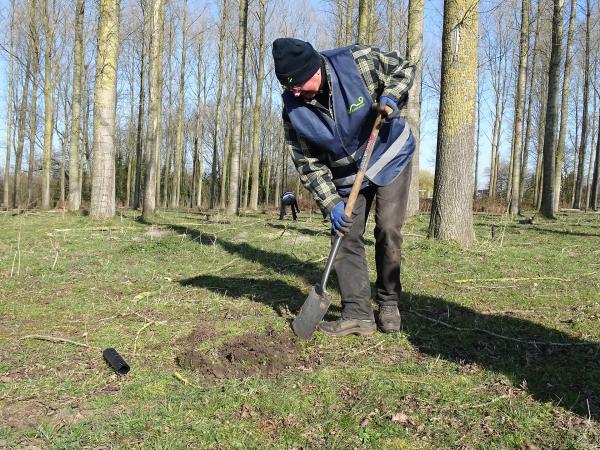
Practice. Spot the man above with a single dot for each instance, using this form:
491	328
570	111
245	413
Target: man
327	118
288	198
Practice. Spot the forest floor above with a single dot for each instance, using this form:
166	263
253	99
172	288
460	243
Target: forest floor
499	348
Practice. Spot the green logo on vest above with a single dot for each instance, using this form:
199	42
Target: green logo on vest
356	106
290	80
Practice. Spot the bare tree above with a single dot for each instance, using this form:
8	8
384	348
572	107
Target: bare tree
584	119
178	160
154	98
547	207
451	211
103	176
414	50
9	107
363	18
139	147
74	182
48	105
236	142
514	205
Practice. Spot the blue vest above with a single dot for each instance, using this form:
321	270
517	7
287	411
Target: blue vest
342	141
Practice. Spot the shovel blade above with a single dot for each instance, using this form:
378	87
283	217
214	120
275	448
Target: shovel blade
312	312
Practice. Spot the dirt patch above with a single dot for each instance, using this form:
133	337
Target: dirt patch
269	354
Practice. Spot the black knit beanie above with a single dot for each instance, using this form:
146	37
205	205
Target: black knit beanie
295	61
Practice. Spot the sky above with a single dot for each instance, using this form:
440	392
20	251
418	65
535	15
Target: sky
432	43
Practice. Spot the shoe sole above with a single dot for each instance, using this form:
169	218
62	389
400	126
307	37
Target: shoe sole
357	332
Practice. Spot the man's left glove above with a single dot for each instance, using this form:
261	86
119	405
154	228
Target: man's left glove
387	107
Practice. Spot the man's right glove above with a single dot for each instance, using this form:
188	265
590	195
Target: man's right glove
387	107
340	223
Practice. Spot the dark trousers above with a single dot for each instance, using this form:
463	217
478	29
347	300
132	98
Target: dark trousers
293	207
351	263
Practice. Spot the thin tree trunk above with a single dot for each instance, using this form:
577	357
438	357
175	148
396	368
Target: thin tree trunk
234	179
178	160
213	181
585	120
33	121
160	80
590	170
103	174
74	182
478	112
532	80
16	198
139	149
48	107
414	50
596	176
226	146
257	107
155	95
547	208
514	206
451	212
363	18
169	134
5	199
349	21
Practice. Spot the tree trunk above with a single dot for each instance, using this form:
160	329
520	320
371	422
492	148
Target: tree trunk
103	176
514	206
178	160
199	128
234	178
169	133
585	121
363	18
5	199
257	108
33	120
533	79
547	207
139	149
477	140
414	50
213	180
74	182
349	21
154	98
564	110
451	212
16	200
48	107
595	181
160	79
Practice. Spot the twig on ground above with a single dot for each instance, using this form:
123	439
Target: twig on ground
146	325
218	269
369	348
508	338
485	280
480	405
55	339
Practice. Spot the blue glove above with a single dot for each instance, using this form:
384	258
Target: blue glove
340	224
390	104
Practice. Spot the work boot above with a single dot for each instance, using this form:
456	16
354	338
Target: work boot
344	327
388	318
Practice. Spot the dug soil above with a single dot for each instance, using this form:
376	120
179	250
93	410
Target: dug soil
269	354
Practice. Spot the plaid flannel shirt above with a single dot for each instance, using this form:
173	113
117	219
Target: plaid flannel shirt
384	74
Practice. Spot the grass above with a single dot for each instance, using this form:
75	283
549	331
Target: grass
477	364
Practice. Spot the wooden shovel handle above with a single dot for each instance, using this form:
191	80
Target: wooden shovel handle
363	167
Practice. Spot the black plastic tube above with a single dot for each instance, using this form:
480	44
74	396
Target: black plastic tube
116	361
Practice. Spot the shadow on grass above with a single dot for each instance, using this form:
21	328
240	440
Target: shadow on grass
566	375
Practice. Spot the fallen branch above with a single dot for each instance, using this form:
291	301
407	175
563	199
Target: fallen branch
489	280
55	339
500	336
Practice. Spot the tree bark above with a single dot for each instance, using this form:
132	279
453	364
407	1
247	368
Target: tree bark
154	98
74	182
103	176
547	207
451	212
258	107
363	18
414	50
5	199
139	148
48	107
514	205
178	161
584	119
349	21
234	179
213	180
595	181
